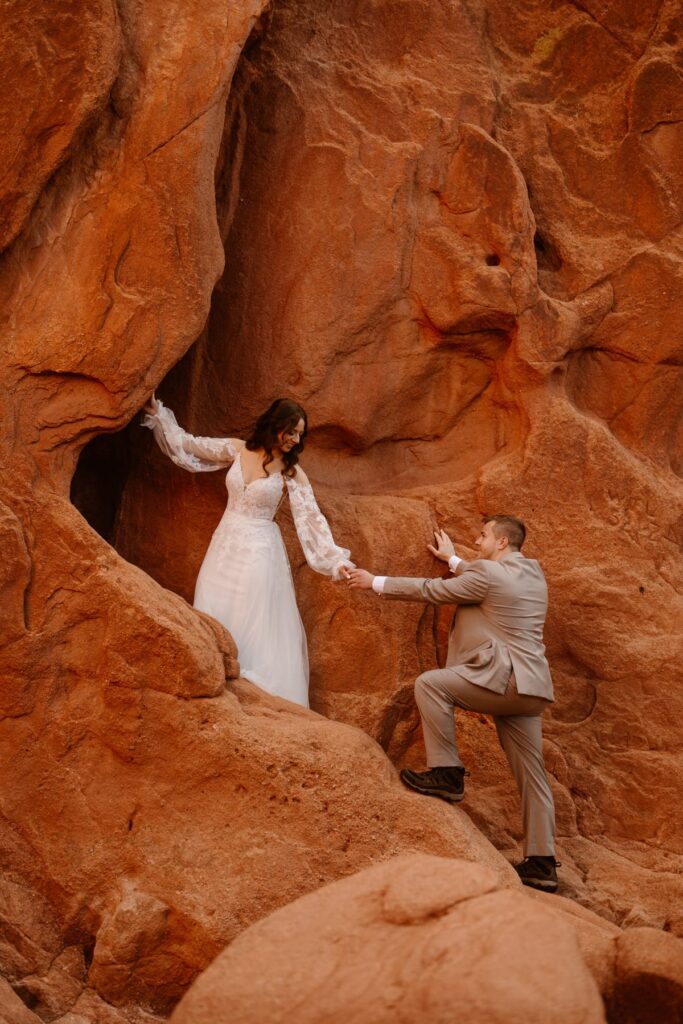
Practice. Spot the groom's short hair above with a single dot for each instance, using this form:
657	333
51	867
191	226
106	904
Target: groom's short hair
510	527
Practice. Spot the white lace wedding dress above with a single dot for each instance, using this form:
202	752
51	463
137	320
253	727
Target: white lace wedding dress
245	580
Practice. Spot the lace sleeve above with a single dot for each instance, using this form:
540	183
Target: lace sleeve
196	454
314	533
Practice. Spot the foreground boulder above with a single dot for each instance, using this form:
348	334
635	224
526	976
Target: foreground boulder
420	939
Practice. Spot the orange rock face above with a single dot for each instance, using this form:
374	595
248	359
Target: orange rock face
453	233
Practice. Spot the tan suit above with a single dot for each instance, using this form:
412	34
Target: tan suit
499	624
496	665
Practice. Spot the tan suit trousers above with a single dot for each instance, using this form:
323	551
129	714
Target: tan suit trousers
517	719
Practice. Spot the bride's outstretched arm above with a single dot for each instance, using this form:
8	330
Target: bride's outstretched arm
322	554
196	454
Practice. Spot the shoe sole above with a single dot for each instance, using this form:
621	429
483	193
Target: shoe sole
541	884
442	794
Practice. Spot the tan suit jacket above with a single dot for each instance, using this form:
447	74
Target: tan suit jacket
498	628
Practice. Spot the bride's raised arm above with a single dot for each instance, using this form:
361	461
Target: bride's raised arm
313	530
196	454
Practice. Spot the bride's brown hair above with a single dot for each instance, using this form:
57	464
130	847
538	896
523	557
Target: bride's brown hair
283	414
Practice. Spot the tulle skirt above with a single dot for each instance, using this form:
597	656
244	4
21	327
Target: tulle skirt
246	583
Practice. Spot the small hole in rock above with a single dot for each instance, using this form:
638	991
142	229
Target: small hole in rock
493	260
641	589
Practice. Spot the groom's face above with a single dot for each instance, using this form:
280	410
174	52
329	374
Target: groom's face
487	542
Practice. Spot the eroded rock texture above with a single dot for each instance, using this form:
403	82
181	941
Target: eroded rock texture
452	231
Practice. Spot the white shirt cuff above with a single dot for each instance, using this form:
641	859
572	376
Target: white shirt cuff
454	562
378	584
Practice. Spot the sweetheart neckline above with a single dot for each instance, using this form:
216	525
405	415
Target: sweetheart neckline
256	479
269	476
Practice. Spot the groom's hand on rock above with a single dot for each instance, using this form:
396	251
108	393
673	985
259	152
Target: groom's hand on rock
359	579
445	548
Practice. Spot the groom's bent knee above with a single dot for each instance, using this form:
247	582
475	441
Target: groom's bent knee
429	687
423	687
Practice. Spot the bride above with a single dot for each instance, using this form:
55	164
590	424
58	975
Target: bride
245	580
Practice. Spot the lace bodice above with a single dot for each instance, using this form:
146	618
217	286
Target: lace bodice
258	499
261	497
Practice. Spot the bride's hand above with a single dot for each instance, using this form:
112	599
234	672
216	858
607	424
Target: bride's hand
445	548
152	406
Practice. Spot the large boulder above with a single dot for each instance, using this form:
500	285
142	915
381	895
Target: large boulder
419	939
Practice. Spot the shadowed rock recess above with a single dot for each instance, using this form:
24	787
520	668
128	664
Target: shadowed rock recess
454	232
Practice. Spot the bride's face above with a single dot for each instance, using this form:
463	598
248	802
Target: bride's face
290	436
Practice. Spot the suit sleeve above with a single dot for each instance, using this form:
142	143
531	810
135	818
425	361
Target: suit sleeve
470	586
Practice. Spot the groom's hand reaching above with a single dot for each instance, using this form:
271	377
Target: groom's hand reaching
359	579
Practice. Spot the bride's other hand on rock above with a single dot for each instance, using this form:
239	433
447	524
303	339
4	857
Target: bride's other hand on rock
359	579
152	406
445	548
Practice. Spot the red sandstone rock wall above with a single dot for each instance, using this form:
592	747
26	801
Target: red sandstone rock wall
452	231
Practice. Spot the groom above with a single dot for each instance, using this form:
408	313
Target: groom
496	665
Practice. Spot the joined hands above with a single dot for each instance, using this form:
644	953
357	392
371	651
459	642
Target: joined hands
358	579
